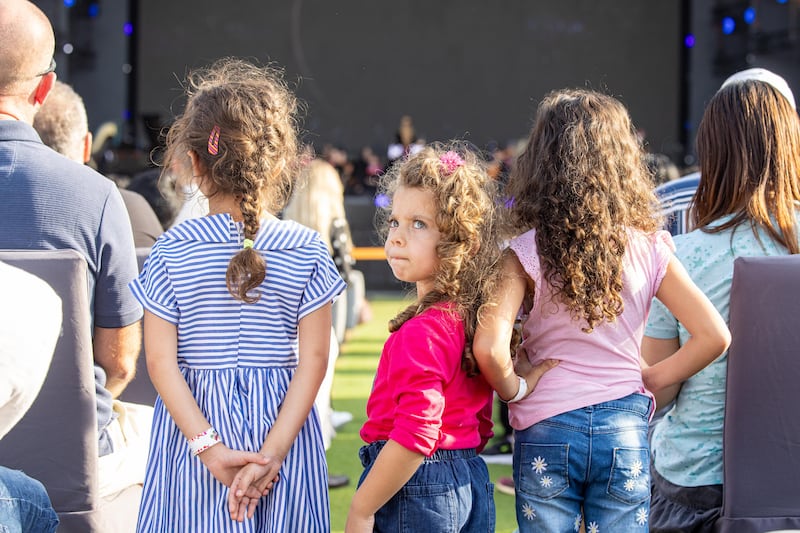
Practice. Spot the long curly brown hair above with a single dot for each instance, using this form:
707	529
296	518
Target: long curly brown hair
581	182
258	148
468	248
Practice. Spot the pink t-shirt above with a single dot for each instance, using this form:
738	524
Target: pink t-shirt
421	398
595	367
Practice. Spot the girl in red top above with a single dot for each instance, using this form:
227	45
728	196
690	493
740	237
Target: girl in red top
429	413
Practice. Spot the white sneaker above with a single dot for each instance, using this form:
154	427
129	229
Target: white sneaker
340	418
499	453
505	485
501	459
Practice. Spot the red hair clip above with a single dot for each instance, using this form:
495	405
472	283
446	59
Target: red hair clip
213	141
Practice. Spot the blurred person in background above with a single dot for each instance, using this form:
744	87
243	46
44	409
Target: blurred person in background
63	125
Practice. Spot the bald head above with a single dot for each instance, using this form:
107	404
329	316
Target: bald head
27	44
62	123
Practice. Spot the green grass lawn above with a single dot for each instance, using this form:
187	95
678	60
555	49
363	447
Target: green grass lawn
355	370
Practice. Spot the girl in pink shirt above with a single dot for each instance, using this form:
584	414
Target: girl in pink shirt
429	412
585	269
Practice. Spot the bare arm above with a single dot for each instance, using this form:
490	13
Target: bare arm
492	344
709	335
393	467
116	351
654	351
161	348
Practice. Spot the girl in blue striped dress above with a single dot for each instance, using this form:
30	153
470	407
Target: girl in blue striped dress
237	323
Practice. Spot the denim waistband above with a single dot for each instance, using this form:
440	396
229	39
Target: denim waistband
636	402
370	452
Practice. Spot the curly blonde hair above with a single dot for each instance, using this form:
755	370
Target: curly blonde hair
258	148
468	249
582	184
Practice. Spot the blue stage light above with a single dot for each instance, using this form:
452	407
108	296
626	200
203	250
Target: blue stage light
749	15
728	25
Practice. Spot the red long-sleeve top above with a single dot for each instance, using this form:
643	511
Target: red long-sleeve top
421	398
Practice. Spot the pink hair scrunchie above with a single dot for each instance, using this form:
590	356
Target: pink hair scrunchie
450	161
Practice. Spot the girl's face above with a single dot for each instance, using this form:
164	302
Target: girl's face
413	236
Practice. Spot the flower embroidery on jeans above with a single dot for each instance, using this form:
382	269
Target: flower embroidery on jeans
641	516
539	465
630	485
546	481
592	528
528	512
577	523
636	468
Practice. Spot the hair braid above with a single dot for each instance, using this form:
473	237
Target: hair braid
247	268
255	113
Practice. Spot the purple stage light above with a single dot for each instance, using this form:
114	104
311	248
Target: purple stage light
382	201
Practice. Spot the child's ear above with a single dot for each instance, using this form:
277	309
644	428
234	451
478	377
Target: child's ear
87	147
198	168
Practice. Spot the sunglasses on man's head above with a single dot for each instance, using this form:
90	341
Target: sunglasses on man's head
51	68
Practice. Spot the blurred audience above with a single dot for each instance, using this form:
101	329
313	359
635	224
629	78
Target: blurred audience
63	125
406	141
662	168
164	196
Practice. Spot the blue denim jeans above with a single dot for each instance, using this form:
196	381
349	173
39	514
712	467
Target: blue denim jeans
591	463
450	492
24	504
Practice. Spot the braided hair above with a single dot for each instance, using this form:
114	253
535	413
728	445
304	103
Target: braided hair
253	113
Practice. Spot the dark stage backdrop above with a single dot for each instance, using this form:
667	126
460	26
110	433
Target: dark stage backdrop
464	69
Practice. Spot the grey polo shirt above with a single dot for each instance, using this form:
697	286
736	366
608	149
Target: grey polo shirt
50	202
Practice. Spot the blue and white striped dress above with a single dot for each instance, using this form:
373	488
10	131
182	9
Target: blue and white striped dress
238	360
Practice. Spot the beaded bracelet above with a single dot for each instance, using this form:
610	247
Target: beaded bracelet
203	441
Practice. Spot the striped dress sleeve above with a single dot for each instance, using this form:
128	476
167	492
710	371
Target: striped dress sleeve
325	283
154	289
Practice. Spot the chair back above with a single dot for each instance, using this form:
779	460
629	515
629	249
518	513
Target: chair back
56	441
140	389
761	442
